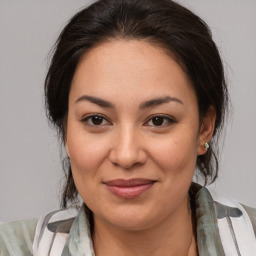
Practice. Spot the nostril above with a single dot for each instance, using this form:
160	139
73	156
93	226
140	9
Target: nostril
127	153
128	163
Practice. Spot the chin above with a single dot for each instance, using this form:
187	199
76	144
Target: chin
132	219
132	224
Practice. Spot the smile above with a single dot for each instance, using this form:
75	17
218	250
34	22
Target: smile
129	189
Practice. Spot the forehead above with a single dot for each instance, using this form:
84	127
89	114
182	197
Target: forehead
130	68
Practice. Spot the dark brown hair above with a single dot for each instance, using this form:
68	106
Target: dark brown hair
163	23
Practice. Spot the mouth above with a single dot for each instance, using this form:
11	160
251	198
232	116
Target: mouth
129	189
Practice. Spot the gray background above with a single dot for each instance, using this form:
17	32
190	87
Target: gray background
30	169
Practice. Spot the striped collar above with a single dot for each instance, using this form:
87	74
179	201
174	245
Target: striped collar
223	227
208	239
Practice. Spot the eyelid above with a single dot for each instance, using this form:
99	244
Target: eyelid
170	120
86	117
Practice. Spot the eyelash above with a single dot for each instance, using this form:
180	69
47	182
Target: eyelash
168	119
85	120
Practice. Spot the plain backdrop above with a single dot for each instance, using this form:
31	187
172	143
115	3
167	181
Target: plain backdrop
30	167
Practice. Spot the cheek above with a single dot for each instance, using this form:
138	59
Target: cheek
175	155
86	151
86	155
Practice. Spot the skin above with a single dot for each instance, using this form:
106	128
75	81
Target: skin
127	144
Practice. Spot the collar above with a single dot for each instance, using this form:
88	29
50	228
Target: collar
79	241
208	237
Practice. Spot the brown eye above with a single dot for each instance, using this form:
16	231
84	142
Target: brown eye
95	120
160	121
157	121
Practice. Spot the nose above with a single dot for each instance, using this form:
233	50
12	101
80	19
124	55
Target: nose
127	149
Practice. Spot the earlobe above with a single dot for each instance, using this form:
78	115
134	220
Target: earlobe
206	131
67	149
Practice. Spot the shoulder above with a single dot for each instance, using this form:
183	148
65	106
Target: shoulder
16	238
251	212
52	231
229	207
37	236
237	224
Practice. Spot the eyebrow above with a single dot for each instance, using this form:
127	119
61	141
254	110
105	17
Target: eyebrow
97	101
146	104
159	101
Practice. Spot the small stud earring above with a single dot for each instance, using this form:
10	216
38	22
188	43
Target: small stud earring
206	146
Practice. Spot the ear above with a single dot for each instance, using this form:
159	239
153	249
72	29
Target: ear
67	149
206	130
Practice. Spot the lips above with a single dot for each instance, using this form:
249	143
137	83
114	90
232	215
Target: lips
129	188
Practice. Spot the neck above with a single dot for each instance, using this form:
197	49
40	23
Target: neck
173	236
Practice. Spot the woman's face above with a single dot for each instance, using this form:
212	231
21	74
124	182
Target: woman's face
133	134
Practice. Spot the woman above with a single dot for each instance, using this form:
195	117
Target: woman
137	92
